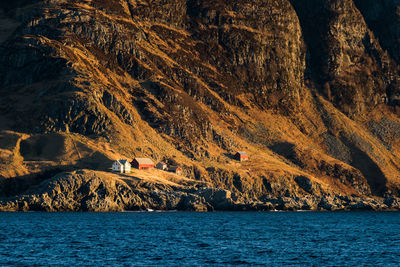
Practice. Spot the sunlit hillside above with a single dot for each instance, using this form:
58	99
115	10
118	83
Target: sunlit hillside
314	102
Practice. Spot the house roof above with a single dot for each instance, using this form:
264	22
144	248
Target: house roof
144	161
122	161
242	153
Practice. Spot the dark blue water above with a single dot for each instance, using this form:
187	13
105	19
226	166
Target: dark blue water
329	239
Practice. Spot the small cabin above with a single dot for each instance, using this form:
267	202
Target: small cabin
175	169
142	163
121	166
241	156
162	166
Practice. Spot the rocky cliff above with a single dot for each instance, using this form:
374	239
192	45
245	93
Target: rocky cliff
86	190
310	89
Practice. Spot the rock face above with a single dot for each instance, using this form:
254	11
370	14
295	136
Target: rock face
347	60
92	191
309	88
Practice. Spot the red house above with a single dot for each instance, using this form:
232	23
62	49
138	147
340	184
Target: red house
241	156
142	163
175	169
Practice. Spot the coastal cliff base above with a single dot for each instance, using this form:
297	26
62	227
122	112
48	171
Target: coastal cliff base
86	190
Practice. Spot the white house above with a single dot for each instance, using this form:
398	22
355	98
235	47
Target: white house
122	166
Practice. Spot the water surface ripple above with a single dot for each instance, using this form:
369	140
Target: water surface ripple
274	239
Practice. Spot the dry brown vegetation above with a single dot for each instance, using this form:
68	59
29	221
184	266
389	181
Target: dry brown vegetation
124	79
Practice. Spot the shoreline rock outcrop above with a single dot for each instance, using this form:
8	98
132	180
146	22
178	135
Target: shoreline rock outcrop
92	191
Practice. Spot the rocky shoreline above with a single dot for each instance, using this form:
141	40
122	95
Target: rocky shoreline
94	192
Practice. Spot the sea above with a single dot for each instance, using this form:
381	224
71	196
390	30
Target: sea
200	239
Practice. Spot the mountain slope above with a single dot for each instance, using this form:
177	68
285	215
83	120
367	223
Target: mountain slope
309	88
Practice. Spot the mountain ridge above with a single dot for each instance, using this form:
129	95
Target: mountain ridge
308	88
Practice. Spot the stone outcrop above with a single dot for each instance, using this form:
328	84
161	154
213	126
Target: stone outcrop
92	191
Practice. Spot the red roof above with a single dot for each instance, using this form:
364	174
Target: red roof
144	161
